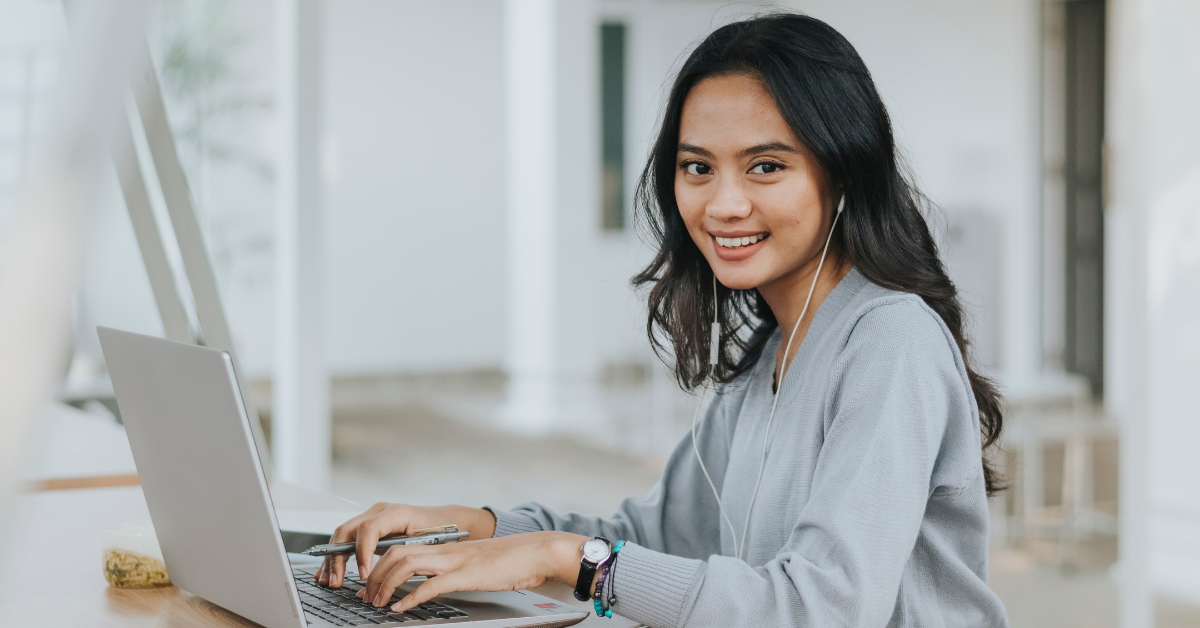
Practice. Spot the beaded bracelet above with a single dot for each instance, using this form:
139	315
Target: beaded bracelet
601	576
607	576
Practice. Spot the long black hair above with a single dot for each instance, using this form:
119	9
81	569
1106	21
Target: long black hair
825	93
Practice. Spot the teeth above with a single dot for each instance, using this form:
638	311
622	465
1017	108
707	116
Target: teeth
733	243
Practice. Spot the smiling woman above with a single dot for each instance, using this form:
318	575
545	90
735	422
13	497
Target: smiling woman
789	109
744	176
854	448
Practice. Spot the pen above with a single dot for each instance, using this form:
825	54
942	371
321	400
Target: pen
436	538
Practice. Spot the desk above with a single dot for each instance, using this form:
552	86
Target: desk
51	575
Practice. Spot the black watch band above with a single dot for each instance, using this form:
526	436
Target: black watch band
587	569
583	586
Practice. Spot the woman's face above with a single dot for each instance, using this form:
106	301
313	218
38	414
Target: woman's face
753	198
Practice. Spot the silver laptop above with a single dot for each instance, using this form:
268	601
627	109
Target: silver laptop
208	498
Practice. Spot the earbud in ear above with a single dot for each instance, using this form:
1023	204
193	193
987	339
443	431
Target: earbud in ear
841	203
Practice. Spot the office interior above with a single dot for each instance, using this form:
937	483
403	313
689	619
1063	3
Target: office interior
420	223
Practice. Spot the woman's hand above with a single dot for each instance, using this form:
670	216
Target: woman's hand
520	561
385	519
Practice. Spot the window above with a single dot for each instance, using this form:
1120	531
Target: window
612	126
1084	299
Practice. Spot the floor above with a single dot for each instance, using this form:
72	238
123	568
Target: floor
413	452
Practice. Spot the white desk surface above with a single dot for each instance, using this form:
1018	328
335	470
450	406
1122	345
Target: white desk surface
51	574
72	443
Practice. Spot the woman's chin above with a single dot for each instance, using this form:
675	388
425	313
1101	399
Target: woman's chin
739	279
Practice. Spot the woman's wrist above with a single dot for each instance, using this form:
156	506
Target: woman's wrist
479	523
564	553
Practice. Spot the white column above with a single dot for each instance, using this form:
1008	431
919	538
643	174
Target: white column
1020	308
300	415
1125	295
1154	208
530	91
583	263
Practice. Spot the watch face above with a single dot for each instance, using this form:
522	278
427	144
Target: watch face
595	550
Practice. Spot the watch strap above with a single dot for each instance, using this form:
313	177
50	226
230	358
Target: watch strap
583	586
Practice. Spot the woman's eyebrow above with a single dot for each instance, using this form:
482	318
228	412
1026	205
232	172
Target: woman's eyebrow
767	147
770	147
696	150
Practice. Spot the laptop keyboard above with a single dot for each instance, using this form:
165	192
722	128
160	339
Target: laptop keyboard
340	607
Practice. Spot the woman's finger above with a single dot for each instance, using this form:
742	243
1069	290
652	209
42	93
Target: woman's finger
407	566
336	564
369	533
322	574
387	565
345	532
379	523
386	562
437	585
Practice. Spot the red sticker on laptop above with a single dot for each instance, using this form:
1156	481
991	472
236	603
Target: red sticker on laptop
547	605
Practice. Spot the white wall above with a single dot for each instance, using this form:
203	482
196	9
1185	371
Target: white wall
960	82
1174	363
414	182
1171	150
414	203
1152	270
413	199
234	203
115	291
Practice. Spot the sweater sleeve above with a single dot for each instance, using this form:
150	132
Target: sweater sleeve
679	516
892	392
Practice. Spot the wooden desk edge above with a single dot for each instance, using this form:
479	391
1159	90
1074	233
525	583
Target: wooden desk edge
97	481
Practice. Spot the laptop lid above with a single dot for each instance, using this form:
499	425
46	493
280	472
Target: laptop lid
201	475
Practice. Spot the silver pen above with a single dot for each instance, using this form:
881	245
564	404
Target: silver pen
435	538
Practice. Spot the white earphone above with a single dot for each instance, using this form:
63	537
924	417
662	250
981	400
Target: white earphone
713	355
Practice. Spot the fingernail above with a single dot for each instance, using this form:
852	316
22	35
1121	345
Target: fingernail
377	602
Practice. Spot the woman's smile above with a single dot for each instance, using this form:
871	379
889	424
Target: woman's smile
737	246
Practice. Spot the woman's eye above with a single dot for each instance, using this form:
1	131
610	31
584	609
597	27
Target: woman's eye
696	168
765	168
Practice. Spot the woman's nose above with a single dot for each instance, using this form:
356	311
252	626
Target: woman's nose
729	203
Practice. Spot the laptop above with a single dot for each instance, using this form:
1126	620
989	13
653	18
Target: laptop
212	512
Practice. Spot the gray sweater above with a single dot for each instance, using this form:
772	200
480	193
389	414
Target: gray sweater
872	509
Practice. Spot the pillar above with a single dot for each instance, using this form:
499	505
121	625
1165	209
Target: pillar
300	415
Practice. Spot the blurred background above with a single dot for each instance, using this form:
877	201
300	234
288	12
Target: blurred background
419	219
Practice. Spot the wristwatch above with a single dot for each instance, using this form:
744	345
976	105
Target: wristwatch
596	551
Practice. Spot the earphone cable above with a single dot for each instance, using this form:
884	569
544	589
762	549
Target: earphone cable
782	373
696	448
739	544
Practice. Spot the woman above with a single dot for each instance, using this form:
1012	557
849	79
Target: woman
838	476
